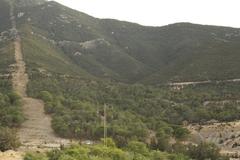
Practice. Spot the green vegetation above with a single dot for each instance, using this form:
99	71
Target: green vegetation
194	100
10	116
129	52
40	54
154	106
8	139
205	151
152	115
10	110
78	71
77	109
134	151
65	71
10	104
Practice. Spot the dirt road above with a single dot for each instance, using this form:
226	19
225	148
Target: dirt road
202	82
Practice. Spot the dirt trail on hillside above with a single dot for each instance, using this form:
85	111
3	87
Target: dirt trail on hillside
202	82
36	131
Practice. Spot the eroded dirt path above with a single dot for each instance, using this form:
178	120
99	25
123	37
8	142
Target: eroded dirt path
225	135
36	132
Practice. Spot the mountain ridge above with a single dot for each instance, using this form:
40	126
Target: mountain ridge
129	52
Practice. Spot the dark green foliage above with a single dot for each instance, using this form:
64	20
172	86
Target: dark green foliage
193	99
10	116
205	151
8	139
10	110
10	104
42	55
180	133
84	120
129	52
77	108
46	96
138	148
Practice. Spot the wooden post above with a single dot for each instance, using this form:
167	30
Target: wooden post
105	125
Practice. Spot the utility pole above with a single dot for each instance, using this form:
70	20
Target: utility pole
105	125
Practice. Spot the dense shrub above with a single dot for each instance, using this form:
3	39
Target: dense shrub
8	139
205	151
10	110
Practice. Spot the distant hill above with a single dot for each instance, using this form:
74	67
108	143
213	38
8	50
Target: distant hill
124	51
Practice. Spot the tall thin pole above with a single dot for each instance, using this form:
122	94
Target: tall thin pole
105	124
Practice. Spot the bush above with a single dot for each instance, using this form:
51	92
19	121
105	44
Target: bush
46	96
8	139
180	133
35	156
205	151
14	99
10	111
138	147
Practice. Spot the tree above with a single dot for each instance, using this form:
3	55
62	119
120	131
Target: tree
162	140
180	133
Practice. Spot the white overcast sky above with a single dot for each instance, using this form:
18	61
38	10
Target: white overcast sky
162	12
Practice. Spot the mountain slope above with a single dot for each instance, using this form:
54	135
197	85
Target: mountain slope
36	129
132	53
69	55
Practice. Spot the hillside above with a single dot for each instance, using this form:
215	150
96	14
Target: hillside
129	52
66	67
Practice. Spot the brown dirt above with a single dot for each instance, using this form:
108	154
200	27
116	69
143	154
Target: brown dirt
19	77
36	131
11	155
225	135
